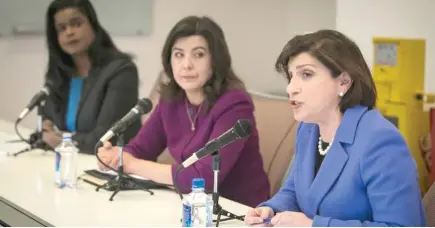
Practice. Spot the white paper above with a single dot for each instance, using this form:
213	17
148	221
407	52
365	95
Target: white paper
113	173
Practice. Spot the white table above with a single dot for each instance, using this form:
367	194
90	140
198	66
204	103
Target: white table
28	181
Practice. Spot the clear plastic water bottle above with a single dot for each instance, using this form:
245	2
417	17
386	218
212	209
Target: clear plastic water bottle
66	163
197	206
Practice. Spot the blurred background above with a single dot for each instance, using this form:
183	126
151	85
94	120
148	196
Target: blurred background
256	31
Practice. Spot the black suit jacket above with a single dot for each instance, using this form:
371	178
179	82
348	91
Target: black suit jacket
109	92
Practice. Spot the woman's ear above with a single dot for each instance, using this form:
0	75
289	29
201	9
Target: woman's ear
345	82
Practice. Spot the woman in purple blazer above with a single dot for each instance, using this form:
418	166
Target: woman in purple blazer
202	100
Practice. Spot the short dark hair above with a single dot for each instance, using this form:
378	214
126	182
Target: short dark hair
99	51
223	76
339	54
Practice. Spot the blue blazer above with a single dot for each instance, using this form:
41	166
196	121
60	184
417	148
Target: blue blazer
367	178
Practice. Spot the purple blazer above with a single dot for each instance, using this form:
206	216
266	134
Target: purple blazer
241	177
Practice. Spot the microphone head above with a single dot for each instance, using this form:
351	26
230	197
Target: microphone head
145	105
243	128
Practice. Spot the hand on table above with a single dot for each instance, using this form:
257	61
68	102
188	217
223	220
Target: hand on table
51	138
255	216
289	218
109	155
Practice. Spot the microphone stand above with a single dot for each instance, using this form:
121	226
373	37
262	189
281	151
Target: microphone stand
217	209
14	141
120	181
35	139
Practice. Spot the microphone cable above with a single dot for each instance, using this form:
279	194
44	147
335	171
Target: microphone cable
18	132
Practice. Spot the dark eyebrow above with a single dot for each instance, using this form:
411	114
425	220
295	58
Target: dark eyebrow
200	48
77	17
73	18
176	49
299	67
194	49
302	65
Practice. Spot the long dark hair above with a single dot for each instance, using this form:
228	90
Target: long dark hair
60	63
223	76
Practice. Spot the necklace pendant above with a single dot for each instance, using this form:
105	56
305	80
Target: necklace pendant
193	127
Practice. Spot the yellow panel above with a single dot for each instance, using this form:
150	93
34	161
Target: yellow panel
398	72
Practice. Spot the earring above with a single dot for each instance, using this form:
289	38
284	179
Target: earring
341	94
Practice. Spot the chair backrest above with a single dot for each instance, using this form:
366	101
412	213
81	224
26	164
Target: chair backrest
277	133
429	206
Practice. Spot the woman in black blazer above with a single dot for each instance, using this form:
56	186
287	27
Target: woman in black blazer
94	84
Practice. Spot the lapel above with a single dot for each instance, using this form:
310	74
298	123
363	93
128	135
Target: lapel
88	84
333	163
307	164
330	170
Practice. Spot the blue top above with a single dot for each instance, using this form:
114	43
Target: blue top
368	177
75	91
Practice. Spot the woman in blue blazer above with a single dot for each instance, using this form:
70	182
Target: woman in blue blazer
352	167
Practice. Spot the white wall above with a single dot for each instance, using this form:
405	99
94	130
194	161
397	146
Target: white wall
256	30
364	19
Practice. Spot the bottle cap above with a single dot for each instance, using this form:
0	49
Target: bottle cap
198	183
66	135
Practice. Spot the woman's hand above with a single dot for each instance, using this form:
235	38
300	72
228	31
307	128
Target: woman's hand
109	155
255	216
47	125
51	138
290	218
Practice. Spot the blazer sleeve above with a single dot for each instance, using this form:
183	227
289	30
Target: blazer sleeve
234	110
285	198
150	142
389	173
121	96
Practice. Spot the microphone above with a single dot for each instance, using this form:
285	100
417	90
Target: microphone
143	106
241	129
37	99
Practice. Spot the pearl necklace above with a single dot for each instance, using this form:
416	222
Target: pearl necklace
321	151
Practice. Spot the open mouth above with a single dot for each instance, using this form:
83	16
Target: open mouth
295	104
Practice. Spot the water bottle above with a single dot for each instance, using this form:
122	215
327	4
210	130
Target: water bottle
66	163
197	206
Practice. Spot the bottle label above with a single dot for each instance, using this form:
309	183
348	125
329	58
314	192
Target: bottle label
187	216
57	178
209	221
